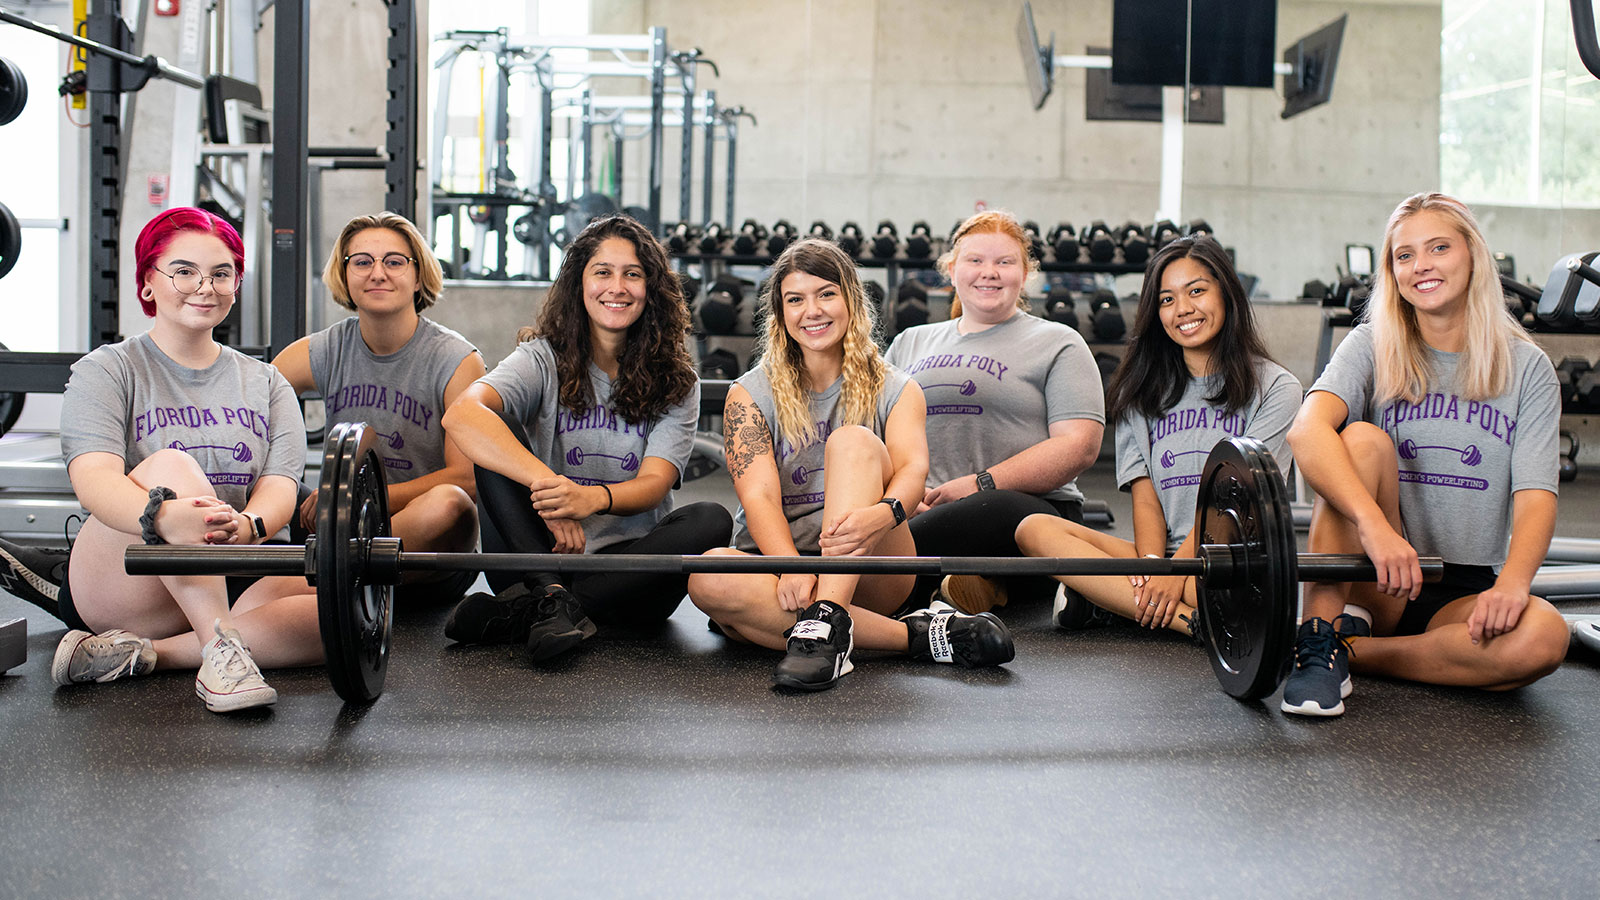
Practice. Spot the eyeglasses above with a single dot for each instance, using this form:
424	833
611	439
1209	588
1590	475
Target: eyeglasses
187	281
393	263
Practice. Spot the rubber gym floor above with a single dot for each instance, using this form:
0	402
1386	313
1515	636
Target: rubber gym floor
1097	764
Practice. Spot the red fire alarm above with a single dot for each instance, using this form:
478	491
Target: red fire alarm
166	7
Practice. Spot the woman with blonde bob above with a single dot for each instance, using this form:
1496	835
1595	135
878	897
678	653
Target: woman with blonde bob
1432	431
396	370
826	448
1015	410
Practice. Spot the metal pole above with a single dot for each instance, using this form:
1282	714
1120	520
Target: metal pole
686	159
733	155
290	100
709	139
400	114
658	85
587	175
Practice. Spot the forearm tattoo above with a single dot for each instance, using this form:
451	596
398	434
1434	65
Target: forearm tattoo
745	435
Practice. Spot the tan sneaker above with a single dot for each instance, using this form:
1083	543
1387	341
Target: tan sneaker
83	657
972	594
229	679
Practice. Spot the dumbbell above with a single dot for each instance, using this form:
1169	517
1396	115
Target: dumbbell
820	231
1107	364
886	241
1163	233
1105	316
1059	307
1200	226
712	240
240	451
719	311
1586	390
681	237
1568	372
1135	244
850	238
629	461
911	305
783	234
1097	239
1064	242
1034	239
720	363
690	286
749	239
919	242
1506	264
1569	459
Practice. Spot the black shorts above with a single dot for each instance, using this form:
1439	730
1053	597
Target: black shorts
68	612
1458	581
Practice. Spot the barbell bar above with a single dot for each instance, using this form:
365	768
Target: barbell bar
1247	571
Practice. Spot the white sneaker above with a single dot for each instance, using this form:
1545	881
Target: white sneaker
83	657
229	680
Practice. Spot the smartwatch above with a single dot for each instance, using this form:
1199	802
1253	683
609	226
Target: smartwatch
258	528
985	481
898	510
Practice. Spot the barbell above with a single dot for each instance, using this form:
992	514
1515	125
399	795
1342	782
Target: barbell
1247	570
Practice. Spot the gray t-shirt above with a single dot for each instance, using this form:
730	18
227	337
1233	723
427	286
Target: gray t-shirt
1460	460
400	395
995	393
598	447
800	474
1171	451
238	417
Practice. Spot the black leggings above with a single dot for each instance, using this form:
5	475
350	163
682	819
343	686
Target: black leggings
509	524
984	523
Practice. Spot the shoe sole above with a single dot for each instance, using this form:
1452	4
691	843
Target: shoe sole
1311	708
977	600
61	665
22	578
544	647
226	703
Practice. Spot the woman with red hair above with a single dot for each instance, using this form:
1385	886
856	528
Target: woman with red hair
171	437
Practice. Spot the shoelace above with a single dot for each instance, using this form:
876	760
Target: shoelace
236	662
1316	648
127	665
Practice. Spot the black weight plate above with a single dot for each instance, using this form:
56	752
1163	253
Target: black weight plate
1248	624
10	240
11	408
13	91
356	615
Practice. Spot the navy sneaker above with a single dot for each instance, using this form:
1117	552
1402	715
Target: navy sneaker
1346	626
34	574
558	624
1073	612
944	634
819	649
1315	686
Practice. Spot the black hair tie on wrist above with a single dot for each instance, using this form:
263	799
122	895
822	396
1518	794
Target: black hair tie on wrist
147	522
609	500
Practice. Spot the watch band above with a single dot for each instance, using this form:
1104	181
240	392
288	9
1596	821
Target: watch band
897	508
258	527
985	481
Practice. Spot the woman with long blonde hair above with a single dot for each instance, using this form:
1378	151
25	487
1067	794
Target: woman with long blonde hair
826	448
1432	431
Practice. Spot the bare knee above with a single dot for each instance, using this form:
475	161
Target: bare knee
1033	529
174	469
1370	447
716	593
448	503
854	445
1540	643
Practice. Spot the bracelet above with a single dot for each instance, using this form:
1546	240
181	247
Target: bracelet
147	522
609	499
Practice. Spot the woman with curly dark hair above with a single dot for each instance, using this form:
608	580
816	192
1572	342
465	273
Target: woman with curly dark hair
578	438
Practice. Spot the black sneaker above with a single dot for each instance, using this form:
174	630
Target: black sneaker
819	649
558	624
34	574
1315	686
1073	612
501	618
944	634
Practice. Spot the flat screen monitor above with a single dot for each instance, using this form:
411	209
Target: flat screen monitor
1227	42
1107	101
1037	62
1314	59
